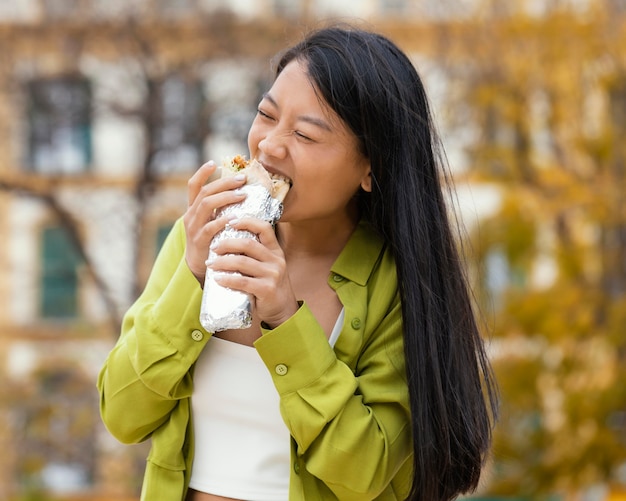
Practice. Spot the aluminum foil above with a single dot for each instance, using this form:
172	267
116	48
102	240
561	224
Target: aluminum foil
223	308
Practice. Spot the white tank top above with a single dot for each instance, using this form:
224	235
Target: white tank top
242	448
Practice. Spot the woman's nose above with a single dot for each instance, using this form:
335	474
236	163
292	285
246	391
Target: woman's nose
273	145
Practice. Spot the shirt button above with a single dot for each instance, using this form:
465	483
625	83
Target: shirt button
356	323
281	369
296	468
337	278
197	335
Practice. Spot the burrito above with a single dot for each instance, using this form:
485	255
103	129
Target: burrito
277	185
224	308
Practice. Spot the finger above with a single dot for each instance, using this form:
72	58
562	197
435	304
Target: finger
240	254
275	301
203	184
206	206
233	281
198	241
198	180
223	184
246	276
263	229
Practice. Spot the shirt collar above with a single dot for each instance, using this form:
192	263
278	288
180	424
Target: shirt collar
360	254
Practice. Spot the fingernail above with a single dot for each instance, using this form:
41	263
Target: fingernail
240	177
214	244
239	192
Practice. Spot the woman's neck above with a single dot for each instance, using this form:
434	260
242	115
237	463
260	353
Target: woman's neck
320	238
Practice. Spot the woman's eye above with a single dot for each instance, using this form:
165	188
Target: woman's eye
263	114
302	136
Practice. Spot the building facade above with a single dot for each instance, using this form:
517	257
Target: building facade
106	108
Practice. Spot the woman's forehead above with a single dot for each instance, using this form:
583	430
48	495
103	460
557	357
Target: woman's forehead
294	86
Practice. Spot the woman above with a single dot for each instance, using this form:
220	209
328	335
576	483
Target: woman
363	375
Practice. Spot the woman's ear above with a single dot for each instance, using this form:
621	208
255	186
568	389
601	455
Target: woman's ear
366	182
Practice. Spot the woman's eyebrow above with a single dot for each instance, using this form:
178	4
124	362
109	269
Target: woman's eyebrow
304	118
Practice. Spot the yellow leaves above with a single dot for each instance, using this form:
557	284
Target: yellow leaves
547	98
616	323
565	311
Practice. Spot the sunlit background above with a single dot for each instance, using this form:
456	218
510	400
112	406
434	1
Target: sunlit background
107	107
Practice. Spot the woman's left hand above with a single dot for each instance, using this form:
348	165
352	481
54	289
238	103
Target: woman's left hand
262	270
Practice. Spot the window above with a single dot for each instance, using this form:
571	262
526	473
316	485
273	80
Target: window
393	7
61	9
60	125
287	8
55	429
179	8
177	123
59	274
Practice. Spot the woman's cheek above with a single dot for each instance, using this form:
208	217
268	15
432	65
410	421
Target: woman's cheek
255	136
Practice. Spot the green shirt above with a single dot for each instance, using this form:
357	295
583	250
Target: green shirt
346	407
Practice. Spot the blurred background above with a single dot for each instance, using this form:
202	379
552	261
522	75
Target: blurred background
108	106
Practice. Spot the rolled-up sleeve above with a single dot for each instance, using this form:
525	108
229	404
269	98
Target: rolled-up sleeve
347	409
148	370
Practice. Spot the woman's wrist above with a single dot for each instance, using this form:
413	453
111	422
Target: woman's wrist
286	315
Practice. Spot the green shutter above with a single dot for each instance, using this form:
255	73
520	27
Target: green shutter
59	277
60	121
162	233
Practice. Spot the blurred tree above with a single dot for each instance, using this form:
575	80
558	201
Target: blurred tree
163	57
546	95
48	101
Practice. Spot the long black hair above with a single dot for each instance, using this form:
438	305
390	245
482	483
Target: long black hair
374	88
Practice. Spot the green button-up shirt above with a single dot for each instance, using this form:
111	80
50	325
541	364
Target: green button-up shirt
346	407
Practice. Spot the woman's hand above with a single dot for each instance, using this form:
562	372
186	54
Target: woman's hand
262	270
201	225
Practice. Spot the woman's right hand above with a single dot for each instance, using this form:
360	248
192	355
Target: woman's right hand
201	224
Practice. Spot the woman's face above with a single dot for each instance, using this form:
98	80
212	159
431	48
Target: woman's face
295	134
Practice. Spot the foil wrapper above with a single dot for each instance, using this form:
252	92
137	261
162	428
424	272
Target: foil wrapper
223	308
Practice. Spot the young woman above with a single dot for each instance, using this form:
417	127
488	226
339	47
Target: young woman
363	375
